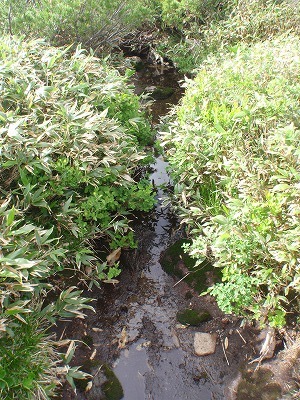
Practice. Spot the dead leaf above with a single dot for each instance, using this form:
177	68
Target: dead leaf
123	339
97	329
226	343
93	354
184	198
89	386
113	257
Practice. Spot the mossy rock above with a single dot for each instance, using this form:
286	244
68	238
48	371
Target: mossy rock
258	385
174	256
253	391
112	388
193	317
161	93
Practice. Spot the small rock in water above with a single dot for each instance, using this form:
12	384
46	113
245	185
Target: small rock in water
205	343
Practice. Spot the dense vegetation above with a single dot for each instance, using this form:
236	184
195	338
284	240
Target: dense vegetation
72	145
72	140
206	27
233	147
93	23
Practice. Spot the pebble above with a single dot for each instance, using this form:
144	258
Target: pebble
205	343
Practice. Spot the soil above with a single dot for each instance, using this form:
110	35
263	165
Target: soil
134	337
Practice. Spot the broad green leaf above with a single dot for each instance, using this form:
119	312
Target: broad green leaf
10	217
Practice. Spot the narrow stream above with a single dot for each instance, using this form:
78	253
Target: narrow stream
155	366
135	329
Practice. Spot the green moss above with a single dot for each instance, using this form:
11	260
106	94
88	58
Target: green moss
193	317
257	385
174	256
260	376
112	387
160	93
253	391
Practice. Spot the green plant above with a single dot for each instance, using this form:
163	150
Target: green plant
93	23
233	148
207	27
28	362
67	177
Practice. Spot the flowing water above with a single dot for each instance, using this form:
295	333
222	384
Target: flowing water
135	329
155	366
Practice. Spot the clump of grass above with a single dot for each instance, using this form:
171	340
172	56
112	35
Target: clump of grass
28	362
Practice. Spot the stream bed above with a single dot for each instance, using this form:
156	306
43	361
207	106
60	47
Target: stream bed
135	332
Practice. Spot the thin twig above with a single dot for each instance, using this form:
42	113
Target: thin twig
182	279
224	351
241	336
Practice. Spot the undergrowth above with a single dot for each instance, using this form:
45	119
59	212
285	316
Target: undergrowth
233	146
205	27
72	139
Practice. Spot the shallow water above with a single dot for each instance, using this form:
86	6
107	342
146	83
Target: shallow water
155	366
135	329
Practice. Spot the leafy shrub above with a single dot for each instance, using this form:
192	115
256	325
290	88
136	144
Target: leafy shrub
234	150
251	21
67	156
183	14
68	163
94	23
210	26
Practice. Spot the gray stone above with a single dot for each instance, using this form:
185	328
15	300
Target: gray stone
205	343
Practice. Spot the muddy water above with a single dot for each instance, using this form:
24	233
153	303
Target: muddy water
134	329
155	366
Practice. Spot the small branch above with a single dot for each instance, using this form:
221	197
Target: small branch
241	336
224	351
181	279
